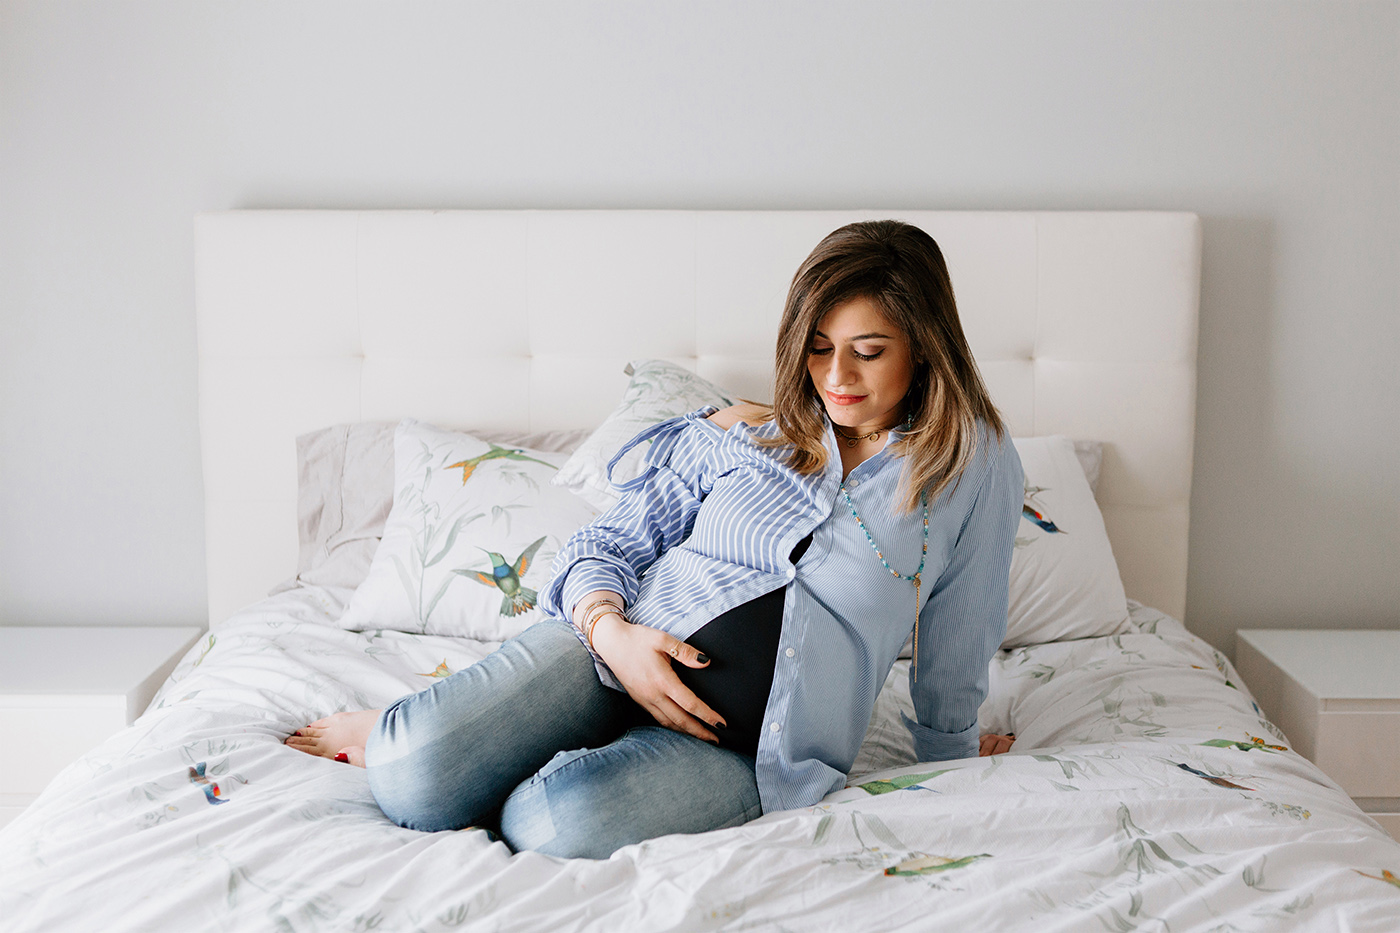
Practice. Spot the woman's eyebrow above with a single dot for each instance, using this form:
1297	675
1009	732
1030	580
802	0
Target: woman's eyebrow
859	336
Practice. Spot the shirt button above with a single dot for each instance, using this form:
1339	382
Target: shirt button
852	483
774	727
790	653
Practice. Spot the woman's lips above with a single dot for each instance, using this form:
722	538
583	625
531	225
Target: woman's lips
844	399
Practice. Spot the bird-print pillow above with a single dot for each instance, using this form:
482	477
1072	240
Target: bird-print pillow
1064	579
469	540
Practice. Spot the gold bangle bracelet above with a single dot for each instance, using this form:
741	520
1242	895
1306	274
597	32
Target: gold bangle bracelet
599	605
595	612
593	623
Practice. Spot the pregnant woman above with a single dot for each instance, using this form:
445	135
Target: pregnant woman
719	636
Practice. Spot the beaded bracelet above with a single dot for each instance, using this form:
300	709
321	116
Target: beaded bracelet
595	612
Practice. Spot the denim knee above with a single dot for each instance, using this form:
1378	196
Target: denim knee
588	803
410	790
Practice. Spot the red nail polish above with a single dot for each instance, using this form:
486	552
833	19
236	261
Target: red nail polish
341	756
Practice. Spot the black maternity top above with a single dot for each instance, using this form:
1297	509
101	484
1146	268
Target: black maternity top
742	645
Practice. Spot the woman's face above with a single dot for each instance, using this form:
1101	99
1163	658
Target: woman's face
861	365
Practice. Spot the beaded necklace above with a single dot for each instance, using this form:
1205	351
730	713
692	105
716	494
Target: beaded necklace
913	578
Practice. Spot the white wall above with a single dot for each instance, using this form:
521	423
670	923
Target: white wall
1278	122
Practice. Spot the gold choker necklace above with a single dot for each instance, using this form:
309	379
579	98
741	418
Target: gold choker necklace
852	441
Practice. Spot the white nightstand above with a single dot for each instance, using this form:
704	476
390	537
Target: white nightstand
1336	695
63	691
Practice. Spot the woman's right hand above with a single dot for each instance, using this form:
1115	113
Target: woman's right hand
640	658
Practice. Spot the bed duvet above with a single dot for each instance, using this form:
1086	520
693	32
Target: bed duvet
1144	792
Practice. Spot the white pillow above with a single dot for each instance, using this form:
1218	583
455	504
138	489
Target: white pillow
345	489
658	390
1064	580
469	540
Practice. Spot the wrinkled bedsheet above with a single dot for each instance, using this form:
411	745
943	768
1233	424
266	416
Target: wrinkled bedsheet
1144	792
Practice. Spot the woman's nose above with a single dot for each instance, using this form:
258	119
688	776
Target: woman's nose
839	372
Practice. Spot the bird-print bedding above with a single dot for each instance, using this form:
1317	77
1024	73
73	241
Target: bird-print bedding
1144	792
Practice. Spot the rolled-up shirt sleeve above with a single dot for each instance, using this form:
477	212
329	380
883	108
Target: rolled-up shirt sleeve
964	620
656	511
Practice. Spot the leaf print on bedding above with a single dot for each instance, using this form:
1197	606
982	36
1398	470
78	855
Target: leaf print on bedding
866	855
1254	877
928	864
1134	919
1133	721
205	653
432	540
1254	744
1117	642
1041	672
903	782
1142	853
502	513
877	848
877	828
1068	765
1223	667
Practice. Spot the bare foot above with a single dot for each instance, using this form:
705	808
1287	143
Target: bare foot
340	734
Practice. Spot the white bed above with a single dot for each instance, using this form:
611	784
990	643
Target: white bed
1144	790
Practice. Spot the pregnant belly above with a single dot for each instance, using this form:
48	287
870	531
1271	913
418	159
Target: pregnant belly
742	645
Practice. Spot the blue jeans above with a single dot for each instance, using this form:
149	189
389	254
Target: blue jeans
529	736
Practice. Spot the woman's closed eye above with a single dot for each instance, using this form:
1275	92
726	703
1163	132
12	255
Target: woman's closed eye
867	357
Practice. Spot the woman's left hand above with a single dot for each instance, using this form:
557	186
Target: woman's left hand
992	744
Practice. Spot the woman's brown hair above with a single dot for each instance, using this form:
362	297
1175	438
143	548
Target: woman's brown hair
900	269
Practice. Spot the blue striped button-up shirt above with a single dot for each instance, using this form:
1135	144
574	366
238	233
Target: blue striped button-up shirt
845	616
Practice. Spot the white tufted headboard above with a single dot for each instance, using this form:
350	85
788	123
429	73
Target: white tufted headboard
1084	324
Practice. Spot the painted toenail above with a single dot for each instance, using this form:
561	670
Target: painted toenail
341	756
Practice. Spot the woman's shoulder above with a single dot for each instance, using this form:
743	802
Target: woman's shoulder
994	462
749	413
999	465
995	453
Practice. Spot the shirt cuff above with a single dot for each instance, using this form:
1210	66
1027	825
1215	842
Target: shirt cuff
584	577
932	745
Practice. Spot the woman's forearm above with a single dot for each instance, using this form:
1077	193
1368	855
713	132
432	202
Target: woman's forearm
599	607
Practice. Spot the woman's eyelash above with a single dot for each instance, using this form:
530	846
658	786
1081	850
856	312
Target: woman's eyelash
823	351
